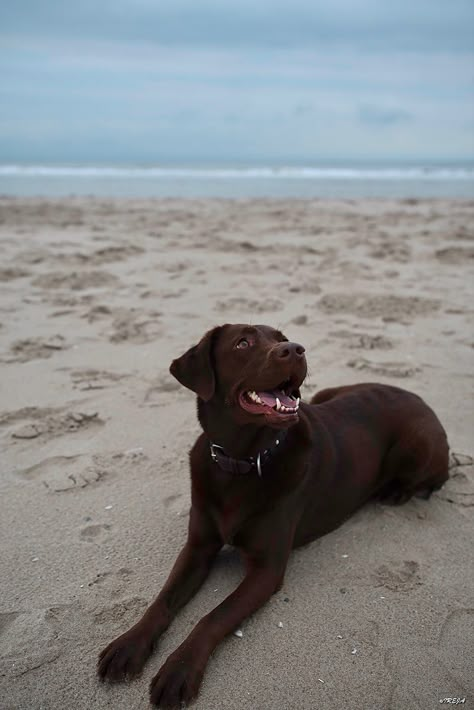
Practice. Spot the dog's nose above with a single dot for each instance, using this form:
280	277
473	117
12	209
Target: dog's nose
284	350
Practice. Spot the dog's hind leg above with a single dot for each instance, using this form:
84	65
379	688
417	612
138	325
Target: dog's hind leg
415	466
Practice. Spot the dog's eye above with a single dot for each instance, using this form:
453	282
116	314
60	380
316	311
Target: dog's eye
243	343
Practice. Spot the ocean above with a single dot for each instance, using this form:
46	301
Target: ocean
325	181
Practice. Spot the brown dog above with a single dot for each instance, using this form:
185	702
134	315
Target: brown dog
269	474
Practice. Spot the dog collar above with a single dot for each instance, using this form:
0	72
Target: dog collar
243	466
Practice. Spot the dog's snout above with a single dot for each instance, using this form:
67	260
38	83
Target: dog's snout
286	350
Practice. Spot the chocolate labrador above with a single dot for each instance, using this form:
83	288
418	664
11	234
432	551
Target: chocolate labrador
269	473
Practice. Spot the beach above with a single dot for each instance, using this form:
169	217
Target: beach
98	295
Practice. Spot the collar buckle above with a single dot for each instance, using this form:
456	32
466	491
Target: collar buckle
213	452
242	466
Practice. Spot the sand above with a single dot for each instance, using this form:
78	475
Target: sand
97	297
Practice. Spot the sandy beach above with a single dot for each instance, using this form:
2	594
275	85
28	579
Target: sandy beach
97	296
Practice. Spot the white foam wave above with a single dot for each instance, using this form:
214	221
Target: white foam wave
267	173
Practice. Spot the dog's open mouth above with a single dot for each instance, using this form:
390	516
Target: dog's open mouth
283	400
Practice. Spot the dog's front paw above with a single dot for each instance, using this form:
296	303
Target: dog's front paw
124	657
178	680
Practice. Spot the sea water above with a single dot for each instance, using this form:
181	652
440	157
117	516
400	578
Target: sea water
231	181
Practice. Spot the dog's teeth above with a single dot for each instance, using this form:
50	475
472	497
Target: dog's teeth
279	405
297	402
251	394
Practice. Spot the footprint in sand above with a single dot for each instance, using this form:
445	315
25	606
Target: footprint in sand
105	255
177	293
397	308
7	619
127	609
455	255
176	503
29	641
91	379
123	574
67	300
463	233
63	474
134	327
387	369
97	313
217	243
392	250
265	305
445	666
176	268
419	671
399	577
75	281
48	423
35	348
459	489
113	253
155	396
310	286
363	341
458	625
300	320
33	256
130	325
11	273
95	533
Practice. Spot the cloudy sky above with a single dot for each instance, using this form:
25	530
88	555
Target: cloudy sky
260	81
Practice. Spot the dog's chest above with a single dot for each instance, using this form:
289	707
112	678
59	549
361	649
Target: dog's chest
230	517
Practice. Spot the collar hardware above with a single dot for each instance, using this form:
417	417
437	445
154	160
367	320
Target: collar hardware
247	465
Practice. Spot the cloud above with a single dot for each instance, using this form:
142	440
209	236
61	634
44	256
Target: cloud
382	116
141	81
363	24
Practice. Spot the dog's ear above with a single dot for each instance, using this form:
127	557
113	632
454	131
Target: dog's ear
195	370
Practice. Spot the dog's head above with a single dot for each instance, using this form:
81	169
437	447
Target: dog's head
254	371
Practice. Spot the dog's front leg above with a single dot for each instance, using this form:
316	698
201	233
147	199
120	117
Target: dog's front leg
180	677
127	654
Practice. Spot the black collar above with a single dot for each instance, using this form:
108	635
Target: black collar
252	463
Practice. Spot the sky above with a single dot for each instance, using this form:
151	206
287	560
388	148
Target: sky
236	81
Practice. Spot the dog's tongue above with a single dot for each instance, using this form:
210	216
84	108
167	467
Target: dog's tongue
269	398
